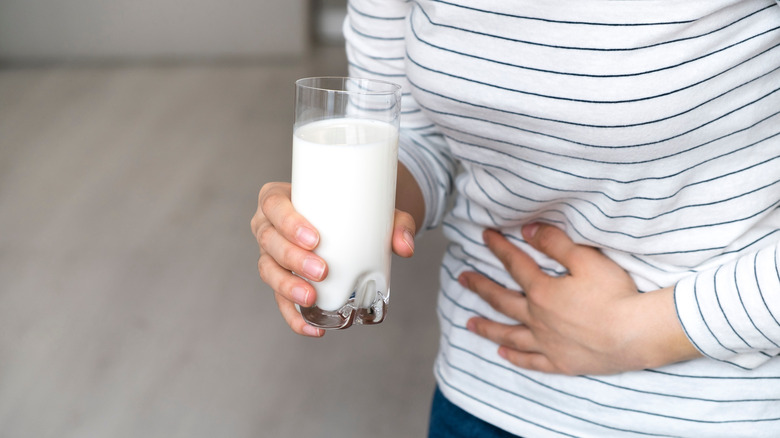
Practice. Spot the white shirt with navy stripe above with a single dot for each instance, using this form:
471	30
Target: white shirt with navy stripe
649	129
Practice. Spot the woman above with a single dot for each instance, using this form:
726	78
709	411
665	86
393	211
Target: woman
614	172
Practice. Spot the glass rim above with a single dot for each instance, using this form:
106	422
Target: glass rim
309	83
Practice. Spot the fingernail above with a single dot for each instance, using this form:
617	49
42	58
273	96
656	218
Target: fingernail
502	352
313	268
306	236
409	239
529	230
312	331
471	325
300	295
463	281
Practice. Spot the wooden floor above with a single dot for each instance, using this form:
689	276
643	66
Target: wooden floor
130	304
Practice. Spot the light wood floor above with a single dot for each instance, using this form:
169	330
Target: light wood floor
130	304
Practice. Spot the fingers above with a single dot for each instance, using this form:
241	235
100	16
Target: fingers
284	234
286	239
290	256
294	318
556	244
289	290
403	234
275	206
529	361
517	337
520	265
506	301
517	344
283	282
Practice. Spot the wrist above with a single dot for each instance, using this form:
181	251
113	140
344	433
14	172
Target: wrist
657	336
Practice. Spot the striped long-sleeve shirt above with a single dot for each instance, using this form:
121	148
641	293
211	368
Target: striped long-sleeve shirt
649	129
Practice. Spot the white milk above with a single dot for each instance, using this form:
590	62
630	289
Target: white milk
343	182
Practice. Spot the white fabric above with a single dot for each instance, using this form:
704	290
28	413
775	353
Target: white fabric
649	129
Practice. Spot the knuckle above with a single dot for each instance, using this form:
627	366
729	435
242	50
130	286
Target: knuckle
287	256
544	237
254	223
566	370
265	235
558	365
406	219
288	224
513	262
266	188
535	292
263	267
270	202
502	306
286	285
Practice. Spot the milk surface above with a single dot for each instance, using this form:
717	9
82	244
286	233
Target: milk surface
343	182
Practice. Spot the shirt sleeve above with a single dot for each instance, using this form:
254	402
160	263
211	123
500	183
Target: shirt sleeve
731	313
375	42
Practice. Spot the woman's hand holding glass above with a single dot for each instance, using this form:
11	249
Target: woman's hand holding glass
287	242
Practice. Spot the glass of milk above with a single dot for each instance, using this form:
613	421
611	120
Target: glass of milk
345	149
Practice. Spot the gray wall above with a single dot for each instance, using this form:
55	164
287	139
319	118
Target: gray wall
99	29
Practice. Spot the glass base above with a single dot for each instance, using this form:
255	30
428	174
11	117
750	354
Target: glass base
350	313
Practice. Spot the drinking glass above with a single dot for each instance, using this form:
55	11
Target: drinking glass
345	154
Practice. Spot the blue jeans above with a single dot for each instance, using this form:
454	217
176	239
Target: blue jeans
450	421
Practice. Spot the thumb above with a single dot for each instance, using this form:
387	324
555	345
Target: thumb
404	230
555	243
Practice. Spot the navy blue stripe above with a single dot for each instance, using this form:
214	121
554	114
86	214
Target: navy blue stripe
547	20
739	295
374	37
622	233
624	216
703	377
722	310
685	329
591	125
717	248
420	128
446	224
758	283
519	176
636	145
444	381
596	49
587	75
580	158
744	248
518	395
520	242
570	99
468	210
704	320
683	397
518	372
647	263
363	54
373	17
443	146
459	305
437	159
473	267
377	73
571	225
